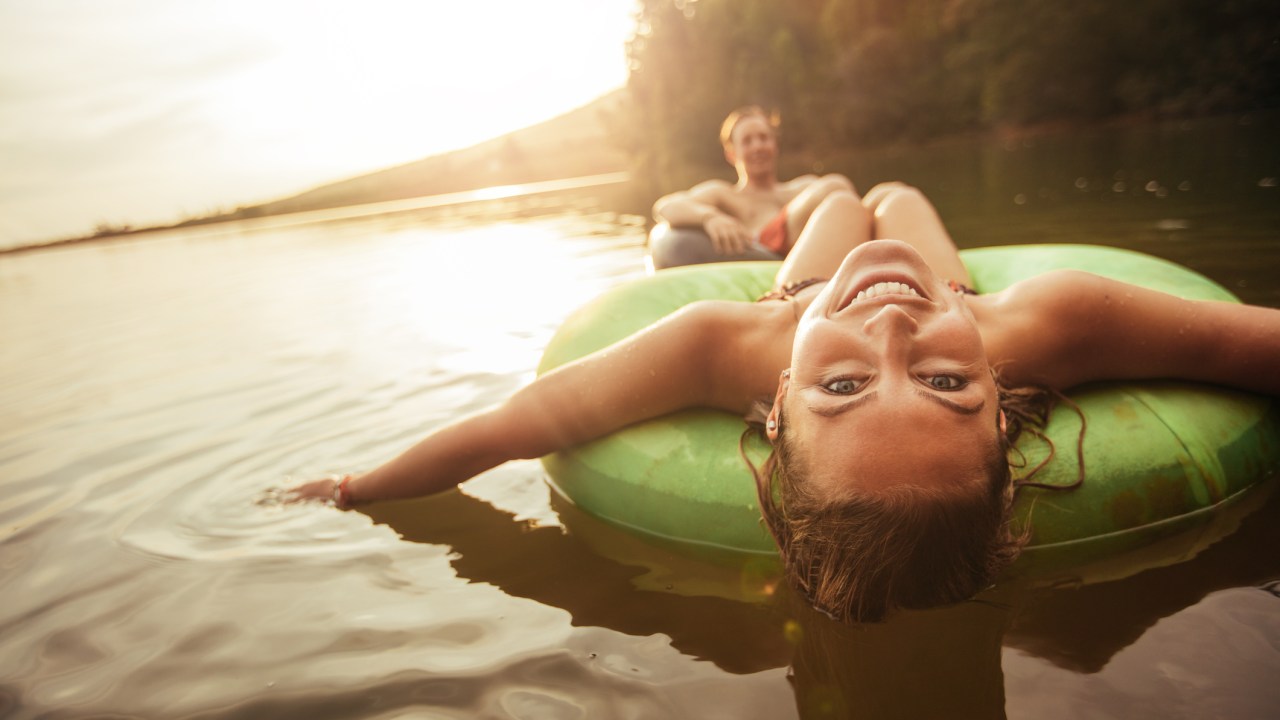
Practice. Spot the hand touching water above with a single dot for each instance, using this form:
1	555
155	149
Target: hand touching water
332	489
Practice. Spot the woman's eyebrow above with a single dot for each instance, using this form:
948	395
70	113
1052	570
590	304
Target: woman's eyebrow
833	410
952	405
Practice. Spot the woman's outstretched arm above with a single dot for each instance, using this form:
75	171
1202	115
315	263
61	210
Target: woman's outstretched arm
682	361
1092	328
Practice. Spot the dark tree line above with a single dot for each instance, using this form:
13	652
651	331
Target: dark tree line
857	72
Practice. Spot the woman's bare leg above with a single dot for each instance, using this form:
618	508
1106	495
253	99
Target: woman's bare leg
902	212
872	199
802	206
838	224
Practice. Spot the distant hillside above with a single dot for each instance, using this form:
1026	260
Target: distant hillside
571	145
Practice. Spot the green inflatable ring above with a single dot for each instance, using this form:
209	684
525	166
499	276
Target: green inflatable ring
1162	457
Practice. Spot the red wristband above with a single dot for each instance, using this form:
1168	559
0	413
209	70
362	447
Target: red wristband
342	494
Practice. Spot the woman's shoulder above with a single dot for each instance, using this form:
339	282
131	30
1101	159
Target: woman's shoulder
1030	326
1049	292
750	323
750	344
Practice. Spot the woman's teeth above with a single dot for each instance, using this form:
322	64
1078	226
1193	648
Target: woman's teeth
886	288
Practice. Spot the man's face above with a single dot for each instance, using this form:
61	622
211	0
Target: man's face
753	146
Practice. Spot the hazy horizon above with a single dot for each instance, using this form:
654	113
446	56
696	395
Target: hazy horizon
149	113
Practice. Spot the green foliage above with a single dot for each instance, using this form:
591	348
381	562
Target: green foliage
854	72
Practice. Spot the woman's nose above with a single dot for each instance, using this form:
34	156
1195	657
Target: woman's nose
891	319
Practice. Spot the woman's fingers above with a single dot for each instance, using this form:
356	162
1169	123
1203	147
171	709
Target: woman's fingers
314	490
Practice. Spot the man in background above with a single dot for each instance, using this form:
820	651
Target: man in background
758	218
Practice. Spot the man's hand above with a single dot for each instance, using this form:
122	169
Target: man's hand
728	235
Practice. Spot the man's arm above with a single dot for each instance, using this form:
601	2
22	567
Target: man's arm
1091	328
693	207
707	206
677	363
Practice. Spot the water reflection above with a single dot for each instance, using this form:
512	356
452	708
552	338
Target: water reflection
1082	628
558	568
919	664
934	664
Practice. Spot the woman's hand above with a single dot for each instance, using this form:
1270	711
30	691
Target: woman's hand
314	490
332	490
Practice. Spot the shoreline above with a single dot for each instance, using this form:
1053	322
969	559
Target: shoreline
809	156
348	212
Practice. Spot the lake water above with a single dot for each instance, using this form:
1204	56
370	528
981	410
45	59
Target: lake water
154	387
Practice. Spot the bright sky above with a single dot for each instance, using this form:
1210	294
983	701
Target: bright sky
147	111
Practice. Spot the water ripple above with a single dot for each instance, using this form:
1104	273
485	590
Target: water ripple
223	521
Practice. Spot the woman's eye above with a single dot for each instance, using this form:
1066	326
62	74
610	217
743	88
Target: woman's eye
947	382
843	386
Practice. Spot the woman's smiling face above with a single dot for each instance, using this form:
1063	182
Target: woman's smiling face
889	381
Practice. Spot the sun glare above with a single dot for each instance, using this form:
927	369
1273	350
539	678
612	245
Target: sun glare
150	111
387	82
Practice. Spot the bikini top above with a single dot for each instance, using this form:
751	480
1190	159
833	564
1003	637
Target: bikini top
790	290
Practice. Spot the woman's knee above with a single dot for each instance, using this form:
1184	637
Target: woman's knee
882	188
882	191
841	210
835	182
843	200
906	214
902	199
886	187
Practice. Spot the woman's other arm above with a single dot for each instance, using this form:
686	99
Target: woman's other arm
676	363
1091	328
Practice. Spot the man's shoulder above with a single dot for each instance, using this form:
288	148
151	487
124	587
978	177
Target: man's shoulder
715	185
714	192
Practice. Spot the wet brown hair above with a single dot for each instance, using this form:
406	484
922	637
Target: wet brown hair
735	117
858	559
